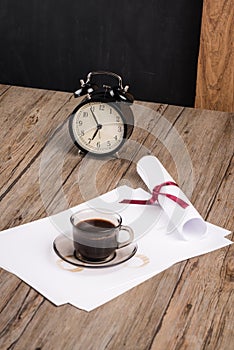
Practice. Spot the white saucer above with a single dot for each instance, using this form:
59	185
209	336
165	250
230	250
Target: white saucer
63	247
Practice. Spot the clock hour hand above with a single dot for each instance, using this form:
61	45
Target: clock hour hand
99	126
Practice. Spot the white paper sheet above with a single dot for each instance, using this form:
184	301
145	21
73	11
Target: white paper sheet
27	252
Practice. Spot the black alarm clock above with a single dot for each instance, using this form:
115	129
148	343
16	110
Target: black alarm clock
103	120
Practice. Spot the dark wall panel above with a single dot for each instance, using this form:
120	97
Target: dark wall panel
152	44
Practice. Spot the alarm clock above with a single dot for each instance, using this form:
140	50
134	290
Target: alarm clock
103	120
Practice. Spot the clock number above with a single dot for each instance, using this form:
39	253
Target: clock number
92	108
82	133
108	144
110	110
101	107
98	144
118	119
85	114
119	129
116	137
80	122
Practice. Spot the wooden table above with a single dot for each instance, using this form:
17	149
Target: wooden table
188	306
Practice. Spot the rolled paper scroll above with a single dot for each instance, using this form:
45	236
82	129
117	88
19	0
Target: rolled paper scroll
181	213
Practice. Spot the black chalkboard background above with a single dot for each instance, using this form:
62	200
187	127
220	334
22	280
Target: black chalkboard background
152	44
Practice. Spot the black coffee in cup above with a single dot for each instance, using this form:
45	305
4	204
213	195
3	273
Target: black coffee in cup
96	234
90	241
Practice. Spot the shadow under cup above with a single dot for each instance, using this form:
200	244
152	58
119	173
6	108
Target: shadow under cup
96	235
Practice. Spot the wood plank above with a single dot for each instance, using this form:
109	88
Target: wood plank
3	88
215	83
206	144
36	112
17	313
9	284
125	330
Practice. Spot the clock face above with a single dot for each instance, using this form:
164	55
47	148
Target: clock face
98	128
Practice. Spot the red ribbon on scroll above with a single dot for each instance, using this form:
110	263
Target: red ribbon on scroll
156	192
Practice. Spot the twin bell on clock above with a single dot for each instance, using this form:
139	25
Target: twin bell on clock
103	120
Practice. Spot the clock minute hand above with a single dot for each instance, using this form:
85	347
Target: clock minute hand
94	117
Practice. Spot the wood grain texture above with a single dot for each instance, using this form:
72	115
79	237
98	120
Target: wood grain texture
215	76
189	305
204	322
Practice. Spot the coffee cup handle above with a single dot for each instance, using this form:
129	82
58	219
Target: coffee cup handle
131	236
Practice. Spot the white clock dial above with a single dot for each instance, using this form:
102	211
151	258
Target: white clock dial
98	127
